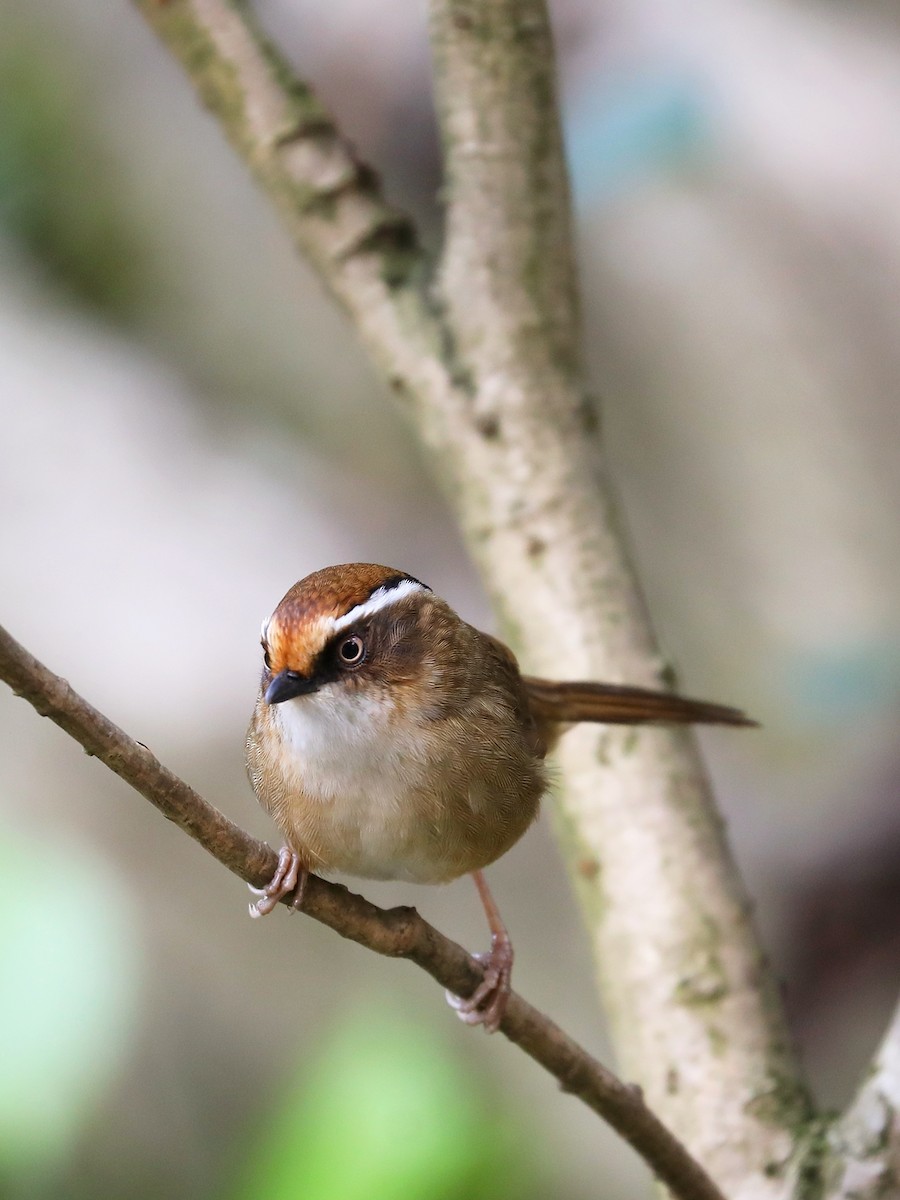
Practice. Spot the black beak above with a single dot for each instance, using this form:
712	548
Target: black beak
288	684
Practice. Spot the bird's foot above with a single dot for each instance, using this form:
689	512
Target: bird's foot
487	1004
288	876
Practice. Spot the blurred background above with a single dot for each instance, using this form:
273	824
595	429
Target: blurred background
187	426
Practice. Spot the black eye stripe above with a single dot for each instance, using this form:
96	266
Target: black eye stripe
394	581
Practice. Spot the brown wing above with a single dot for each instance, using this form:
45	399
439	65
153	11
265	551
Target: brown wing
617	704
504	667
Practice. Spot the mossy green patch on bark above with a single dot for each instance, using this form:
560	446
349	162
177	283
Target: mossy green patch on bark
215	79
717	1040
630	742
304	113
707	982
698	990
783	1102
602	750
811	1164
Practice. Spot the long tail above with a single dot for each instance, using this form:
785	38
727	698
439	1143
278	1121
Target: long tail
616	704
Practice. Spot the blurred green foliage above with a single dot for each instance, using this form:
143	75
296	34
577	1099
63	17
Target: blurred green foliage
68	992
384	1113
61	193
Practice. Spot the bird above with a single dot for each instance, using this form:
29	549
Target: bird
393	740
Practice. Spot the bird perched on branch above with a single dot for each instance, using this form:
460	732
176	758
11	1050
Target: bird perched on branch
392	740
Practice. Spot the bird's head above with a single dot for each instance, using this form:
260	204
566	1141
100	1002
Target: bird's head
348	625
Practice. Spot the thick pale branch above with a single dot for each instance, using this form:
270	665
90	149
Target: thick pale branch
681	970
865	1143
507	274
398	932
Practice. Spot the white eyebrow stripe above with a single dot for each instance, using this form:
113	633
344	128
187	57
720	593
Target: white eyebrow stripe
380	599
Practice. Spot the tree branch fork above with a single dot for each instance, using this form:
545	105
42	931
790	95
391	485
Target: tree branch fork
491	377
397	932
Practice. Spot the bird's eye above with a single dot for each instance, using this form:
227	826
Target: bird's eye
266	658
352	651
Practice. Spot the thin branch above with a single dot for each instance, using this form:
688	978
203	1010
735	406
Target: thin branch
365	252
396	932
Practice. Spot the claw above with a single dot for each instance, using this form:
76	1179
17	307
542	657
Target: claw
487	1004
288	875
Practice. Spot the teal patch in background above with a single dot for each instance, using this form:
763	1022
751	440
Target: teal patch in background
627	130
833	684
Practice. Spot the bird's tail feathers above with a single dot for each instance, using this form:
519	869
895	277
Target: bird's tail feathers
619	704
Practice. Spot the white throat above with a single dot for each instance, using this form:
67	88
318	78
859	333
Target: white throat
360	779
338	743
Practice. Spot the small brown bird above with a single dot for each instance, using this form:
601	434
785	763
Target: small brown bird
391	740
